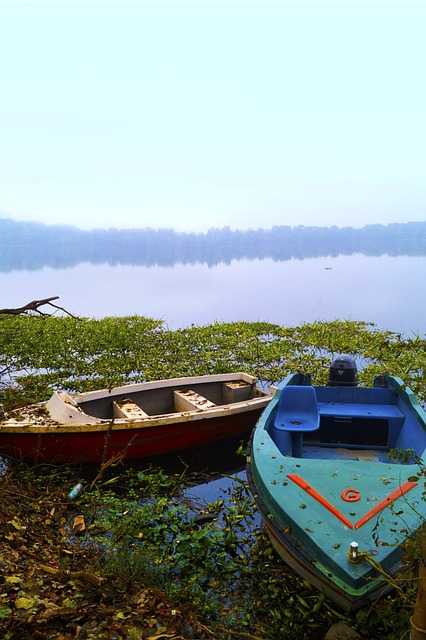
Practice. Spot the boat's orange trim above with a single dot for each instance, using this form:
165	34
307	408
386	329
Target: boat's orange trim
400	491
319	498
350	495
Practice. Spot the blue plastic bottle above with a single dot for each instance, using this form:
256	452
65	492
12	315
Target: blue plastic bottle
75	491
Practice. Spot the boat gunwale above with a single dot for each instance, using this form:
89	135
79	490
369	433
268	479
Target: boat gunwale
123	424
398	385
164	383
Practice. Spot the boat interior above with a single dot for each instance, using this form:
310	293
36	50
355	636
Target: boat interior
338	422
154	401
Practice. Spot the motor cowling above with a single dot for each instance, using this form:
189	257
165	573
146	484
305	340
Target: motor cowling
343	372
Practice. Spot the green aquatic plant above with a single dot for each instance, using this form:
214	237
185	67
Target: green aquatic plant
216	562
38	355
219	562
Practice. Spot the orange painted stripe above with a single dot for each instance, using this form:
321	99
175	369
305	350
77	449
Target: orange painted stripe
400	491
317	496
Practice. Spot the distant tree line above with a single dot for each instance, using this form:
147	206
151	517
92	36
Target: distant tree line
26	245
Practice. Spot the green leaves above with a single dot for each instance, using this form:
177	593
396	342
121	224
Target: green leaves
40	354
216	565
25	602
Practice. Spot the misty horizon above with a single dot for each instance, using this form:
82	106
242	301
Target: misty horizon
33	246
197	115
5	218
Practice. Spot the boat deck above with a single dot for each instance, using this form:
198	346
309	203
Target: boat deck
343	453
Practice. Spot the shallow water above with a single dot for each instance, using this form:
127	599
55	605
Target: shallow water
384	289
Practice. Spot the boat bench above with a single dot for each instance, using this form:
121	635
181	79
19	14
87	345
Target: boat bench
128	409
237	391
388	417
189	400
365	410
299	414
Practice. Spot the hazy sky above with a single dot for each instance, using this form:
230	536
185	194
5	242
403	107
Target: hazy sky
212	113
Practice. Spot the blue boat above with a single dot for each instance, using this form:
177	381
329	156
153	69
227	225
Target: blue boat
337	474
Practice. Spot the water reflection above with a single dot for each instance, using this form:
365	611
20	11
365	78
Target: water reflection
32	246
225	489
386	290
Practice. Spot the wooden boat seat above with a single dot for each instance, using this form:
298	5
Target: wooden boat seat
128	409
190	400
237	391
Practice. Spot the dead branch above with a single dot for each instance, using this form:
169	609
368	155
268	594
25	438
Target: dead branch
82	576
112	462
34	306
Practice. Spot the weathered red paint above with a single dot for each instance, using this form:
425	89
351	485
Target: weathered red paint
98	446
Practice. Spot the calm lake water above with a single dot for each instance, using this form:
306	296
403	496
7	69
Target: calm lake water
387	290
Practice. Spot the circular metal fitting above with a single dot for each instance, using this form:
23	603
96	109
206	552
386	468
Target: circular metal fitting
350	495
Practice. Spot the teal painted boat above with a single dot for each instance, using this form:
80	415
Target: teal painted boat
336	472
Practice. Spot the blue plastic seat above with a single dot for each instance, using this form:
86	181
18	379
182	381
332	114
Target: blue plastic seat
297	409
298	413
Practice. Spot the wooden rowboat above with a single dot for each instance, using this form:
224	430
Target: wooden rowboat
337	473
135	420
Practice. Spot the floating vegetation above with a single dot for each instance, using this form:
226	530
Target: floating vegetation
149	562
38	355
130	557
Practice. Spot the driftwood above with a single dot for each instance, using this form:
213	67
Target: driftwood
34	306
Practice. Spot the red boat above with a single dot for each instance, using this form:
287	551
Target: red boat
135	420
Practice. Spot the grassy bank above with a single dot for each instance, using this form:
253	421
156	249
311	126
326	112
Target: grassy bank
147	565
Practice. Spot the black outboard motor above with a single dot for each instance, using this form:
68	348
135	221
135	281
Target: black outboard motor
343	372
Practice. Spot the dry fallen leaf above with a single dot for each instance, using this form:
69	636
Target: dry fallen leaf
16	524
25	602
79	524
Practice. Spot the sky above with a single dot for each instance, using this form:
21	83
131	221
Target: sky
191	115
